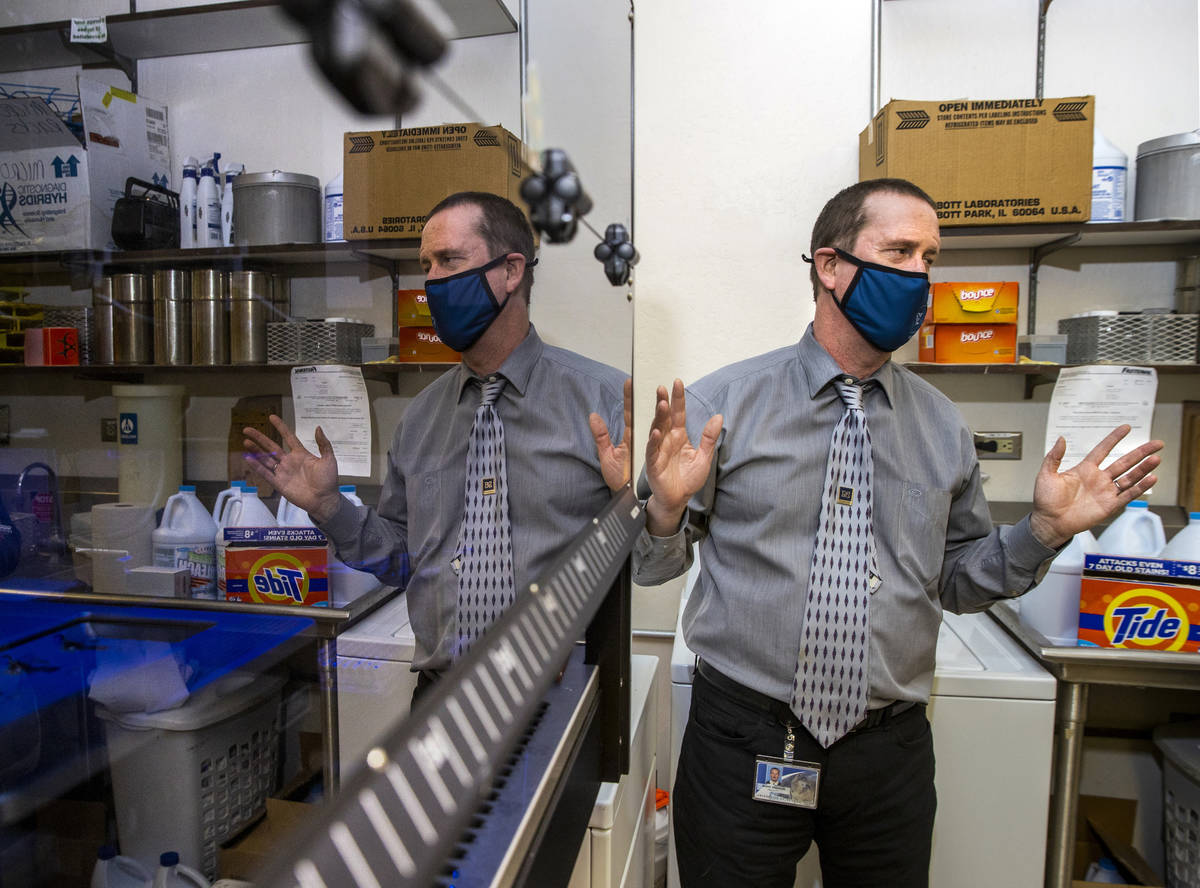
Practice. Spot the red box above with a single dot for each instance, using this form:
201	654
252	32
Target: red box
51	346
967	343
1145	604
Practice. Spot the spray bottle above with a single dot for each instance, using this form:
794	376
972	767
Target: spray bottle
187	204
208	209
231	171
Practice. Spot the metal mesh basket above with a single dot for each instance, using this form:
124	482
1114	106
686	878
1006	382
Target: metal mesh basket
1132	337
316	342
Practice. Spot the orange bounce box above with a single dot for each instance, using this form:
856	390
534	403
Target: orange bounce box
277	565
967	343
1146	604
958	302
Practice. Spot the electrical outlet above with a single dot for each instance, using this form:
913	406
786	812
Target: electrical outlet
108	430
998	445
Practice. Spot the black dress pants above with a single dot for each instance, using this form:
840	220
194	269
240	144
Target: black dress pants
874	818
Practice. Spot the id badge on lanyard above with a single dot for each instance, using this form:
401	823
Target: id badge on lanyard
785	781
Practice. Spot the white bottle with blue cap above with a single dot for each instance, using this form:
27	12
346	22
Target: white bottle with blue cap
1135	533
1185	545
173	874
114	871
186	538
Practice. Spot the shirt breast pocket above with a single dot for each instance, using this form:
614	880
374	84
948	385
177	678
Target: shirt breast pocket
921	519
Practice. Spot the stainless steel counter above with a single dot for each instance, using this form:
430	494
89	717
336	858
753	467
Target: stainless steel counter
1076	668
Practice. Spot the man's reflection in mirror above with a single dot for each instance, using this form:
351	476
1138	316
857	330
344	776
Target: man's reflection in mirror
494	466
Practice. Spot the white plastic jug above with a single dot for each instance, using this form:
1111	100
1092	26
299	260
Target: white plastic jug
224	495
241	509
114	871
1052	606
1110	168
186	538
1137	532
173	874
1103	871
288	514
345	583
1185	545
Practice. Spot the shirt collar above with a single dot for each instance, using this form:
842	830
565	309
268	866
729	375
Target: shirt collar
820	369
517	367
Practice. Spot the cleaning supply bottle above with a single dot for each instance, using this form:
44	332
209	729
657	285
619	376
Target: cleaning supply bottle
219	506
114	871
1052	606
186	538
345	583
231	172
173	874
1137	532
187	204
1110	167
288	514
241	509
208	209
333	210
1185	545
1104	872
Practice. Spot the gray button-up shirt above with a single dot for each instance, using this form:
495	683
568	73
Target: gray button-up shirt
554	480
757	518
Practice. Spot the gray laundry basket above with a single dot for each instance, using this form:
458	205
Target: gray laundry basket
1180	747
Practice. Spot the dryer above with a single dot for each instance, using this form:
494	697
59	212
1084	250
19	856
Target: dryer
992	714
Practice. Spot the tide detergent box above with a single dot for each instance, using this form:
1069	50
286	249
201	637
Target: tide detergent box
958	302
274	565
1149	604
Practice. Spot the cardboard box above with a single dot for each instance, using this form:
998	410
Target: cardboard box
990	161
970	302
60	193
245	855
967	343
393	178
422	345
51	346
412	308
1147	604
274	565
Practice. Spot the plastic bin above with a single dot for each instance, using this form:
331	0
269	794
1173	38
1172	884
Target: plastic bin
186	779
1180	746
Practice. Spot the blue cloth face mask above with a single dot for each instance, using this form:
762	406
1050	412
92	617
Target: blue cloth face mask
463	305
885	305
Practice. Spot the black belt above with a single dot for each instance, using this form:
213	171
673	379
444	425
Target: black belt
750	697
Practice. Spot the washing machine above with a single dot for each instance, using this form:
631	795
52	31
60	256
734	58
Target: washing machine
375	680
992	714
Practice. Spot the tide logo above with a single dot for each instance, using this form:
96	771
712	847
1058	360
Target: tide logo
278	575
1146	618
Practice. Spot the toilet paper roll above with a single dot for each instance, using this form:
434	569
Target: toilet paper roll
120	526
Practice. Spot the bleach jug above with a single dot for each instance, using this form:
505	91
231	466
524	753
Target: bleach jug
1137	532
1052	606
345	583
1109	169
1104	871
219	506
173	874
186	538
1185	545
241	509
114	871
288	514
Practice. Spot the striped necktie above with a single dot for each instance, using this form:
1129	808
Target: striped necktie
830	689
484	556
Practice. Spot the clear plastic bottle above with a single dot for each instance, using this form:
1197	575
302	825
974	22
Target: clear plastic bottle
187	203
186	538
1110	167
208	209
1185	545
1137	533
173	874
114	871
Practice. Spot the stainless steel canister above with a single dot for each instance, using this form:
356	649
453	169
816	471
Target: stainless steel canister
1187	285
210	316
102	345
172	316
249	312
1168	178
133	320
281	298
276	208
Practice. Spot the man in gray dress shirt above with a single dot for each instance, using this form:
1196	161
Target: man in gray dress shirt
750	491
557	408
